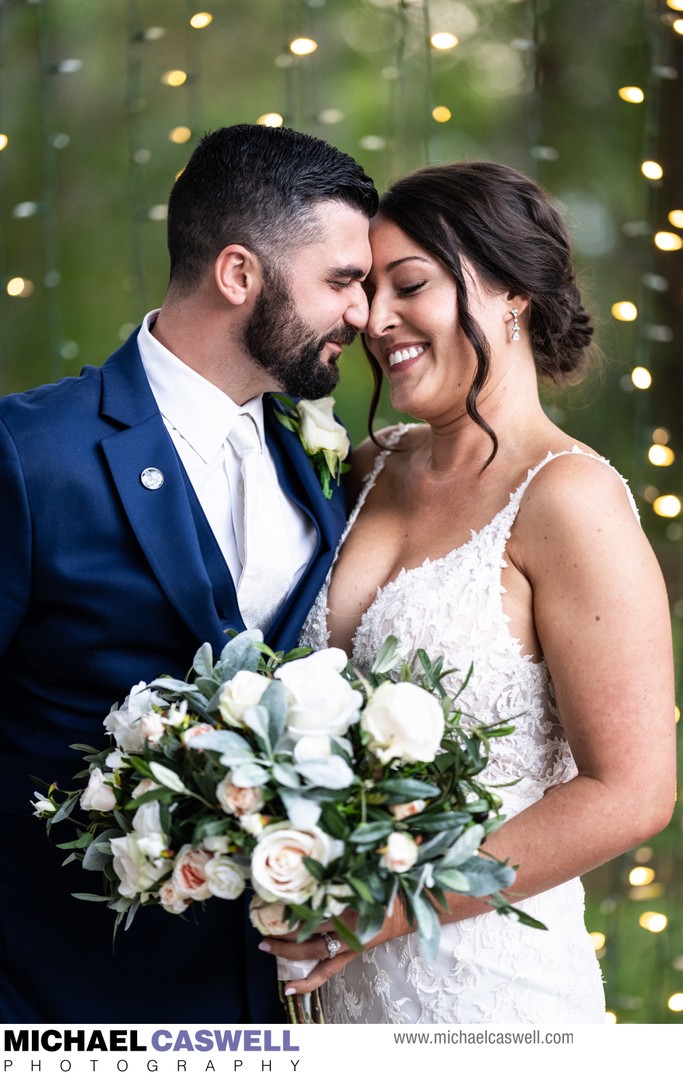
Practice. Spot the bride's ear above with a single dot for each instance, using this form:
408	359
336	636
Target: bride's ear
520	302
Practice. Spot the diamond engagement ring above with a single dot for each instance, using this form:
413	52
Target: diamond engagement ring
333	945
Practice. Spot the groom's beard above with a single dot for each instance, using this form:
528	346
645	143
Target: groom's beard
282	343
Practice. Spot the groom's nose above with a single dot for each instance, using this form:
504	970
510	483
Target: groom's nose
356	313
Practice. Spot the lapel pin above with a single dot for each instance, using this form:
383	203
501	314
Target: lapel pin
152	478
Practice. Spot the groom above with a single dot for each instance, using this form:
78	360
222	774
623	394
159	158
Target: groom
133	530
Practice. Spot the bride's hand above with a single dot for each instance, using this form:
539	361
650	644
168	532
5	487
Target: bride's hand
316	948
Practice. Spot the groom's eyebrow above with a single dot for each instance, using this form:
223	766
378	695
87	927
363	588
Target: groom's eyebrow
339	272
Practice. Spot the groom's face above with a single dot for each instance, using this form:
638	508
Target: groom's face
303	317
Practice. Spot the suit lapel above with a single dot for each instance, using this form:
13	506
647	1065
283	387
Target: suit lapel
300	482
161	518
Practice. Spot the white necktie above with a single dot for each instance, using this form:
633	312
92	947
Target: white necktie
264	583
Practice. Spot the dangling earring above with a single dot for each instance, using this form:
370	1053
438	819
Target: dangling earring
515	324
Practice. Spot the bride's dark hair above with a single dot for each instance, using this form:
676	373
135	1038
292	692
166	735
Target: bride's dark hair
506	226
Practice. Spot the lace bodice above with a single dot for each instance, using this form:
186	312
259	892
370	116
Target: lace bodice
452	606
487	969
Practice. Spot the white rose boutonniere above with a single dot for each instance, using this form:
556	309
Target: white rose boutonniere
324	439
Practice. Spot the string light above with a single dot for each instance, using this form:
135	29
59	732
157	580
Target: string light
675	1003
668	241
303	46
625	311
641	377
201	20
675	217
174	78
661	455
633	94
641	876
668	506
271	119
179	135
652	170
19	288
655	922
441	114
678	26
598	939
3	141
443	41
675	5
661	436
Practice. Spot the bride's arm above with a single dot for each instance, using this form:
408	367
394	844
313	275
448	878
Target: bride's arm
602	618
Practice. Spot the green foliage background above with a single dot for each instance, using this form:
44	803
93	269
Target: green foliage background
532	83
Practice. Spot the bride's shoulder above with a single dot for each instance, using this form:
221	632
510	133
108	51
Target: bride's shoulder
569	488
365	458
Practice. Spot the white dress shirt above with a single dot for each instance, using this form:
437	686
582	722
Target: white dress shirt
199	416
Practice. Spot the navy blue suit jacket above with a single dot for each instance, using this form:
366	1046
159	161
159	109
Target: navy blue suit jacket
104	583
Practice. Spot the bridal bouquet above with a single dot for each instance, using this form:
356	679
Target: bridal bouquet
322	789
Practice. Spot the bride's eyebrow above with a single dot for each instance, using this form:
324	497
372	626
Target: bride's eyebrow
409	258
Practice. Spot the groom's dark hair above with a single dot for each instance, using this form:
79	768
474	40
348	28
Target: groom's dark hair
258	186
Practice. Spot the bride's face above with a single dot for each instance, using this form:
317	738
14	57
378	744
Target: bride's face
413	329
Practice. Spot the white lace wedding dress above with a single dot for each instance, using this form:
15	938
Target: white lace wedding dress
489	968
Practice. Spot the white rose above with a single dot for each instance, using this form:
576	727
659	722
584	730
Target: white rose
135	871
270	918
99	795
117	760
43	806
146	785
148	832
403	721
124	724
218	845
177	714
320	431
189	873
312	748
239	695
407	810
236	800
253	824
152	726
320	701
224	877
277	868
400	854
171	900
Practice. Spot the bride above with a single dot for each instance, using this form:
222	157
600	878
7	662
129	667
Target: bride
485	533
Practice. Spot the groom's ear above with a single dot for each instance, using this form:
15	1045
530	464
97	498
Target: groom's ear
237	274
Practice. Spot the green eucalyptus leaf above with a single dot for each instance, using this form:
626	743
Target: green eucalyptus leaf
464	846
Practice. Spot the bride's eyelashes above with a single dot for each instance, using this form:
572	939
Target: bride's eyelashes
410	289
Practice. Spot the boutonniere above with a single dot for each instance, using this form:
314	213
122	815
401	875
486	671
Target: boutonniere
325	440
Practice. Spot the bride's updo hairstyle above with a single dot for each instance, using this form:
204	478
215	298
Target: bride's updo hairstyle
505	225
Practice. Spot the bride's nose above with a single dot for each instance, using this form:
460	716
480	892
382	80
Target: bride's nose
382	316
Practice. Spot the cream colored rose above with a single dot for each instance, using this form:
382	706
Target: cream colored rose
196	730
239	694
320	431
224	877
404	722
171	900
236	800
270	918
152	726
277	868
400	854
189	873
407	810
99	795
321	703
